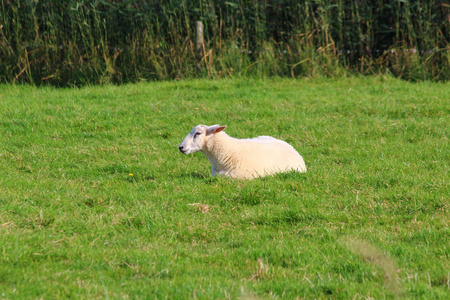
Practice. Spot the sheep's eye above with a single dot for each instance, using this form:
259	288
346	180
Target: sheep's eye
197	134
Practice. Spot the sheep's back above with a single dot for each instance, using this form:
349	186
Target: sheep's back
267	155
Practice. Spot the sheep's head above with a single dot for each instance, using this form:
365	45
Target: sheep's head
196	139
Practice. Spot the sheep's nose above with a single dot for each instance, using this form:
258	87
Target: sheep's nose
181	148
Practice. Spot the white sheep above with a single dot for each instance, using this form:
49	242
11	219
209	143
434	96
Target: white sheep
241	158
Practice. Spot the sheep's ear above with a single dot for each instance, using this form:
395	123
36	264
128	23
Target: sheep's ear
215	129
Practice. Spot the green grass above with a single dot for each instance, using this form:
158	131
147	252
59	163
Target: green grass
97	202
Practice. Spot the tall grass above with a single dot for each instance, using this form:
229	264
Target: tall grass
78	42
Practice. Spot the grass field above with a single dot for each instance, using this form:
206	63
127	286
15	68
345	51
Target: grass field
96	201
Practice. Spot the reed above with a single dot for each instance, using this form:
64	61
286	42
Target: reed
101	41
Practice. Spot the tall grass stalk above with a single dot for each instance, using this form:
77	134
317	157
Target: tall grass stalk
101	41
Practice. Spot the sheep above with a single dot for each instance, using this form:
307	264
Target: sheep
241	158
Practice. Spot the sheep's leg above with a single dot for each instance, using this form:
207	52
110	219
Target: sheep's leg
213	171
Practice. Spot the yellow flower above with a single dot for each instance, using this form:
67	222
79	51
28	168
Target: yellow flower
131	174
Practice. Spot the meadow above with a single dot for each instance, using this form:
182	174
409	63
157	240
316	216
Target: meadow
96	201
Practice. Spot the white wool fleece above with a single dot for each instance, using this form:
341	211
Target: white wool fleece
242	158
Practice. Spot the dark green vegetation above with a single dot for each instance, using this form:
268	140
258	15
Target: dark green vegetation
77	42
96	201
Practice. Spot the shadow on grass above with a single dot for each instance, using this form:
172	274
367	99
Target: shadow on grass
193	175
200	177
291	217
287	176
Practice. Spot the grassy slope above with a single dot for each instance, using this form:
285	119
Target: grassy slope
369	219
